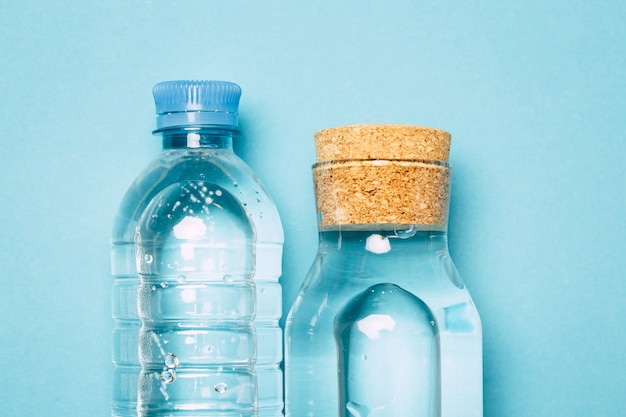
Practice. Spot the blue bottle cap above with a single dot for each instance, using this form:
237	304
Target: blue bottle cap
191	103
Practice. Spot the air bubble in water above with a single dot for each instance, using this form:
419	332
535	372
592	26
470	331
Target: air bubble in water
171	361
148	258
168	376
406	233
210	349
182	279
228	278
220	388
153	288
218	193
164	284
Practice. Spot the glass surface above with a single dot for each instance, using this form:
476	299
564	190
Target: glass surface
326	374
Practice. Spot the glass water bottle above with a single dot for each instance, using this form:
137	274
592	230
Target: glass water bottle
383	324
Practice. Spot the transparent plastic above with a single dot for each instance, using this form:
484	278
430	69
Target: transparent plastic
196	258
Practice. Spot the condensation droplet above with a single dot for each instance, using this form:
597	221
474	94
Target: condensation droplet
168	376
148	258
170	361
220	388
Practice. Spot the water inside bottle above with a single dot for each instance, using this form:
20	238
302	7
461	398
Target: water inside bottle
388	357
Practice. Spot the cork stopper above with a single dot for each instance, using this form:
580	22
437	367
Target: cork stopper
382	141
384	175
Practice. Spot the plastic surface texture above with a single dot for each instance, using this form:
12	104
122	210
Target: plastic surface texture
181	103
196	258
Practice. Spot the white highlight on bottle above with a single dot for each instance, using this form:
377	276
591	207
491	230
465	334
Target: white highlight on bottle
193	140
377	244
190	228
372	325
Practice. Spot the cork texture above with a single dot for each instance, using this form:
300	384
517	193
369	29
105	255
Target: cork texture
382	141
380	175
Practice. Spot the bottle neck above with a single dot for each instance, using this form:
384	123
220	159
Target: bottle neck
194	138
380	241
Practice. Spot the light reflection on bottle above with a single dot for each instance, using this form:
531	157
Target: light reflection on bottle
388	356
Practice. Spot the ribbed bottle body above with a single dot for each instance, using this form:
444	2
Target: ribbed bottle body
269	334
436	360
190	238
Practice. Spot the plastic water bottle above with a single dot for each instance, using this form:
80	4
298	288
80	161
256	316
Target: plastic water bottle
383	324
196	259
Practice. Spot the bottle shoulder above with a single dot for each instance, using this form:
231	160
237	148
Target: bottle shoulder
222	168
342	273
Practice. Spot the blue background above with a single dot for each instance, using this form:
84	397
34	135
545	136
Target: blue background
533	92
